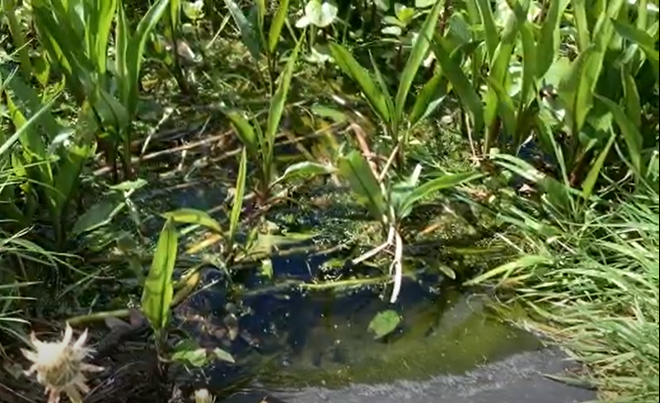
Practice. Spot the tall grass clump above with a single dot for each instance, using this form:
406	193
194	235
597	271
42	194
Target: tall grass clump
592	285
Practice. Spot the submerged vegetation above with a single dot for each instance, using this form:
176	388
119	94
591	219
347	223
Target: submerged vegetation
151	151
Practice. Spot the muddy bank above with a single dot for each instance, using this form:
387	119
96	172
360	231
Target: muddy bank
517	379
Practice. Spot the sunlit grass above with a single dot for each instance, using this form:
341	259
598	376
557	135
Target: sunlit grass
600	294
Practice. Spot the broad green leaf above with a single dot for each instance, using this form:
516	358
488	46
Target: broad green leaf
417	55
427	99
237	206
460	83
384	323
357	73
631	135
305	169
506	270
248	32
590	181
355	169
193	216
158	287
276	25
548	44
434	185
98	215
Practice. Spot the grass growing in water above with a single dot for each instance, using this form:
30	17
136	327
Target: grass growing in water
598	296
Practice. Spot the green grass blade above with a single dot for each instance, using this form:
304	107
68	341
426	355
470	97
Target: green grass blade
506	270
277	24
460	83
357	73
158	286
239	192
417	55
355	169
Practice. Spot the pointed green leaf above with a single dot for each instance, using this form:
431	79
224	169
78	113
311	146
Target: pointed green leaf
460	83
428	99
357	73
279	98
432	186
193	216
631	96
417	55
590	181
492	37
248	32
98	215
355	169
305	169
239	192
158	287
276	26
548	45
244	131
631	135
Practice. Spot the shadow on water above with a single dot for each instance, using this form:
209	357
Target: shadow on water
288	338
283	337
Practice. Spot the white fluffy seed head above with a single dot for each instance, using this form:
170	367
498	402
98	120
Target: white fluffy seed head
59	365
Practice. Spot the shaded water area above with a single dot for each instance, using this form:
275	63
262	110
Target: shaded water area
287	332
291	338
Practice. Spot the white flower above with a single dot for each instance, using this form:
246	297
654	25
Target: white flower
59	365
